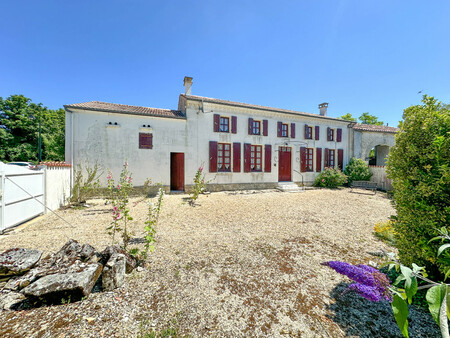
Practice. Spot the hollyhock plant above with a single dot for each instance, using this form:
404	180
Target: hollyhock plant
370	282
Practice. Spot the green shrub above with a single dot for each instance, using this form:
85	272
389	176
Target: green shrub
330	178
419	165
357	170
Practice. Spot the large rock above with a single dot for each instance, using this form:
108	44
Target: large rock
70	252
114	249
8	300
18	261
76	283
113	274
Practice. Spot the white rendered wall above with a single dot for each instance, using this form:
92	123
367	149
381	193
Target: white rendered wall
57	187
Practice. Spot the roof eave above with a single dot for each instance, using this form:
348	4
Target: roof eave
66	107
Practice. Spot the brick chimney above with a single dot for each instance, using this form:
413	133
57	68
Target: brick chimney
187	85
323	108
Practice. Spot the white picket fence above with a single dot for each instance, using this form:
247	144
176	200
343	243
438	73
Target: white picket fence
26	193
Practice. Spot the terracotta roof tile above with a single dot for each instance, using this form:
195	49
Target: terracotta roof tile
126	109
371	127
254	106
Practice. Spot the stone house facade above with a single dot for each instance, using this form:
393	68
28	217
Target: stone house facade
240	146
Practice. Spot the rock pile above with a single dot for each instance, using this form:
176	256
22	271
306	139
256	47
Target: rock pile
69	274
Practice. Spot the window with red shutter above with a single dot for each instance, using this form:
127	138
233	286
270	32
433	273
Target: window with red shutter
265	127
255	158
318	159
224	157
224	124
212	156
303	159
309	159
250	126
308	132
236	157
340	158
145	141
267	158
330	134
331	159
247	149
317	133
279	124
234	124
284	130
256	130
339	135
216	123
292	130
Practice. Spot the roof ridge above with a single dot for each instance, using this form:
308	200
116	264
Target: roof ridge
121	104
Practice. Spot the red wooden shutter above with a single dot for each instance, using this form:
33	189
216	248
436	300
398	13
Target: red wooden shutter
340	158
328	134
326	164
279	126
216	122
236	157
339	135
293	130
318	159
306	132
212	156
250	126
317	133
265	127
267	158
145	141
247	151
302	159
234	124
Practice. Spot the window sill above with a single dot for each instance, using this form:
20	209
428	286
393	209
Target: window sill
147	129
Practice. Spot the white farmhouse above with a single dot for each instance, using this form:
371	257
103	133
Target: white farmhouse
240	145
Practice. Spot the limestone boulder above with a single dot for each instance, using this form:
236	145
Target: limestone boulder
106	254
74	284
9	300
17	261
113	274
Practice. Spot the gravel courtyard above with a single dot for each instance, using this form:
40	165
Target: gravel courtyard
237	264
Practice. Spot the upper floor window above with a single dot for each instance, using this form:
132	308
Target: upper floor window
224	124
284	130
145	141
224	157
308	132
256	158
330	135
256	129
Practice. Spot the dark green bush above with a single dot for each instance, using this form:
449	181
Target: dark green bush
357	170
419	165
330	178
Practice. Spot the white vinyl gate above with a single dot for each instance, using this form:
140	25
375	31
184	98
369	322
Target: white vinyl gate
20	191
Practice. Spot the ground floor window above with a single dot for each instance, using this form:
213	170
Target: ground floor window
309	159
224	157
331	158
256	158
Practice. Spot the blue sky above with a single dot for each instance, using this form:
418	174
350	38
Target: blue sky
359	56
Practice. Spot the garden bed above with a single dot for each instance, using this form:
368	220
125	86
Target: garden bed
234	265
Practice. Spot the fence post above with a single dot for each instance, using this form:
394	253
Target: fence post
2	201
44	189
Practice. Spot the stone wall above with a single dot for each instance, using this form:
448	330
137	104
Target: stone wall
379	176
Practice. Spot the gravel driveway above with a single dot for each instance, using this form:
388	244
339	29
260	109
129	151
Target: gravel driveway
238	264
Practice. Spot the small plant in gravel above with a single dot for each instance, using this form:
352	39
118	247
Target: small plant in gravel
330	178
154	209
199	185
385	231
86	183
119	199
357	170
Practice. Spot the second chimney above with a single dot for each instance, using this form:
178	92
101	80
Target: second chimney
323	108
187	85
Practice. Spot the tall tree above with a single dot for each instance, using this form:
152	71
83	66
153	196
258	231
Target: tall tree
347	117
366	118
19	130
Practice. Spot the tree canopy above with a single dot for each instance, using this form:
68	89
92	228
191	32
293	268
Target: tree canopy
365	118
19	130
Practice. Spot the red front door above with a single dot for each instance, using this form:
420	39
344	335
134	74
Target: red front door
284	164
176	171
